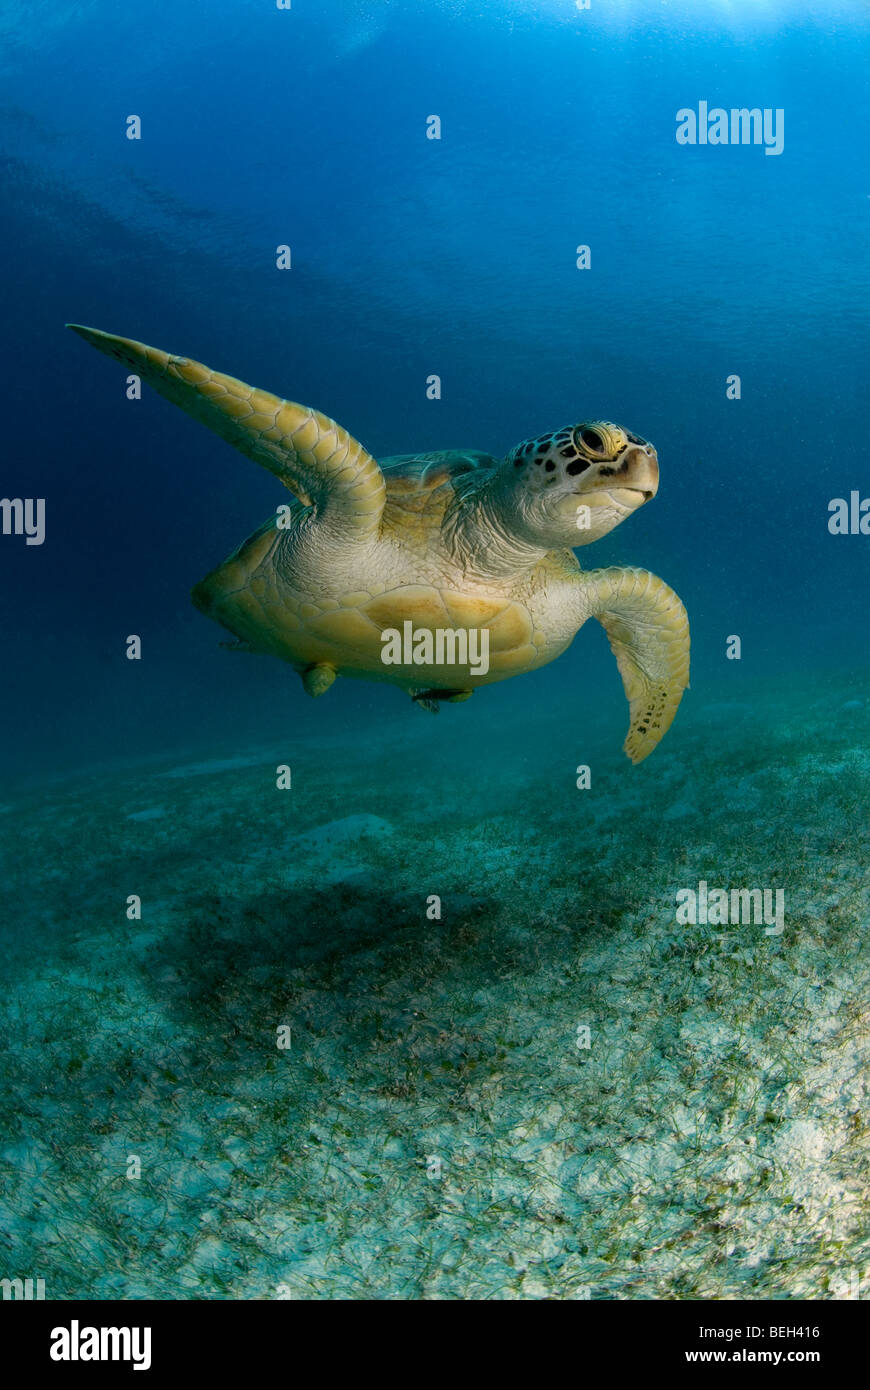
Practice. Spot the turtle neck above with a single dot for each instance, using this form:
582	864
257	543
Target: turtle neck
485	533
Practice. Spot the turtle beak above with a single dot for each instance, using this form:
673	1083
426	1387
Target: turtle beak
631	480
639	472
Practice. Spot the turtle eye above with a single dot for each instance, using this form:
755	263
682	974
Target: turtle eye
590	440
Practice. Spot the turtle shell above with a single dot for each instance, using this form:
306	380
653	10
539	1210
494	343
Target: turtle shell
342	626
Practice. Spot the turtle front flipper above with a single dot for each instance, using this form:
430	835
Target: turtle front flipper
313	456
648	630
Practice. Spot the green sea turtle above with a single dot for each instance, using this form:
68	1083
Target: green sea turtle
437	572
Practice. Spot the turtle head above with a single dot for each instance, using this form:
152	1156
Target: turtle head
573	486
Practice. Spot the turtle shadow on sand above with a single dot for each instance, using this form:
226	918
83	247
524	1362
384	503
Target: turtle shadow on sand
241	965
239	949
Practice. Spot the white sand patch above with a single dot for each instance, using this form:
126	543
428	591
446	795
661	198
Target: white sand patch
214	765
337	834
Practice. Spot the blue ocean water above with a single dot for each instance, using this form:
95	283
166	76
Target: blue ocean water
412	256
307	127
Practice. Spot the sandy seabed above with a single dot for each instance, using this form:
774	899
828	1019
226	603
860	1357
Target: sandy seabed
434	1130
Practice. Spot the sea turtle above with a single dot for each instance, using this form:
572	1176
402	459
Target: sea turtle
401	570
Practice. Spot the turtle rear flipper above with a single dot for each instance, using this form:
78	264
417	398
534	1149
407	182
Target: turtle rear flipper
431	700
648	630
317	679
313	456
